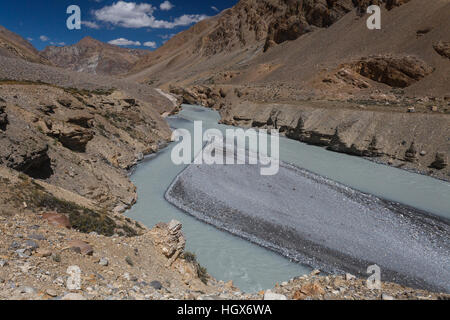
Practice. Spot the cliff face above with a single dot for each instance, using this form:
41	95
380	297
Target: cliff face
92	56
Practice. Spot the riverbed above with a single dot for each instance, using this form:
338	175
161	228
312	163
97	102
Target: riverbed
251	267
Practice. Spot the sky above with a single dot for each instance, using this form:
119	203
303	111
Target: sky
145	24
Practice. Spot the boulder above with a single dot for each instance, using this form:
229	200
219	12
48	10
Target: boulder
443	48
271	296
81	247
57	219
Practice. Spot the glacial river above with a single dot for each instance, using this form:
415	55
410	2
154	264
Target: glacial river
251	267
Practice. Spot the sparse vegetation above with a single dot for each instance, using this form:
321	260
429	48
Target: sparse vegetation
202	272
83	219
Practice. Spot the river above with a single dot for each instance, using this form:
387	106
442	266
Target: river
251	267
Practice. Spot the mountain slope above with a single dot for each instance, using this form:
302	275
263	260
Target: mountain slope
93	56
14	46
293	41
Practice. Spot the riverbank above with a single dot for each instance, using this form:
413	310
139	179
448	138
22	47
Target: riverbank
405	133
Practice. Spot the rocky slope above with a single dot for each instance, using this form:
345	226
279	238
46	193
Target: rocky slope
82	141
41	253
93	56
14	46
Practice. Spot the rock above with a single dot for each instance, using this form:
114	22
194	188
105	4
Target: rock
27	290
74	138
386	297
312	289
74	297
411	110
58	220
3	263
129	261
43	253
349	277
81	247
65	102
156	285
169	240
270	296
36	236
51	292
32	245
440	162
395	71
103	262
443	48
315	272
23	253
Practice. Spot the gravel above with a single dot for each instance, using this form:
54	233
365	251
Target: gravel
319	222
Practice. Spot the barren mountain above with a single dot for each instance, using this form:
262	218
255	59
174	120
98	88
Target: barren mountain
93	56
14	46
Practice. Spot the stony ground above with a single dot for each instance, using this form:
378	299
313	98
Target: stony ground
35	257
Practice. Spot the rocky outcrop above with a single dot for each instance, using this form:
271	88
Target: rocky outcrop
73	137
27	155
443	48
169	240
198	95
398	72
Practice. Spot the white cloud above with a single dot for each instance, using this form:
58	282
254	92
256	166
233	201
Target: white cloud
30	39
124	42
215	9
166	5
90	24
150	44
133	15
44	38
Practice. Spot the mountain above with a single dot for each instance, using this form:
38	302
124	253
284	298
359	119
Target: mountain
93	56
14	46
303	42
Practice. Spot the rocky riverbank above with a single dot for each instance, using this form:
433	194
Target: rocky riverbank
407	133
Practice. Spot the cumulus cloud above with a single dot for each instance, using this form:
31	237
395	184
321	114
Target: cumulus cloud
166	5
133	15
90	24
124	42
150	44
44	38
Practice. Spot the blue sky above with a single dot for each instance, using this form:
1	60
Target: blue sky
145	24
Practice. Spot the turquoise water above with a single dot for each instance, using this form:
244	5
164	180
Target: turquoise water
251	267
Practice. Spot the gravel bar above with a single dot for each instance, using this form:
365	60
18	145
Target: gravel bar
318	222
